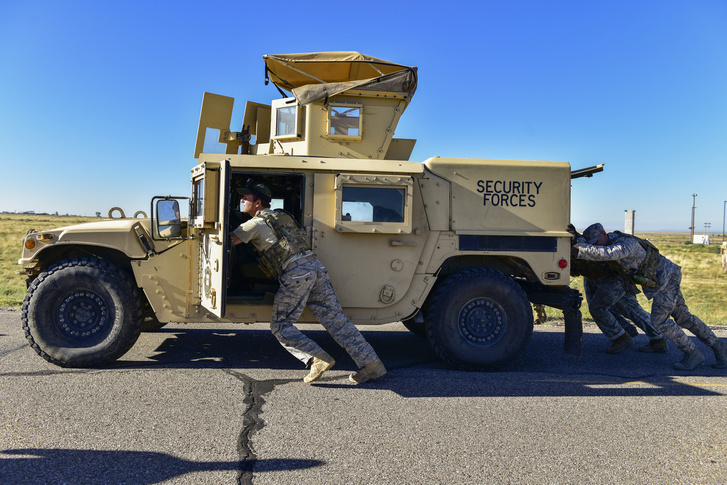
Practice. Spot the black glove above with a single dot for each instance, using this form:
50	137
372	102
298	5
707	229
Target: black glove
572	231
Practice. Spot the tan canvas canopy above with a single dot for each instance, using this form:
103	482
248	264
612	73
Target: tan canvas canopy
318	75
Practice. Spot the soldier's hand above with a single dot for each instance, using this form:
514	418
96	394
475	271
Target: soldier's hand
572	230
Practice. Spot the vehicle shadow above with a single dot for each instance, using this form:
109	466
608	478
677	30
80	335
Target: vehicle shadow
41	466
416	371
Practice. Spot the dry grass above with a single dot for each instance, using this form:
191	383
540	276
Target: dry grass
12	230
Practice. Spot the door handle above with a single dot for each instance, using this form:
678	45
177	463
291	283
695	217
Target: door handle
396	242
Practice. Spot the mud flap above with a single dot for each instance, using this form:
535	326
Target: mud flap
569	301
573	342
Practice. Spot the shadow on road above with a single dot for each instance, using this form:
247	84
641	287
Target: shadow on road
415	371
35	466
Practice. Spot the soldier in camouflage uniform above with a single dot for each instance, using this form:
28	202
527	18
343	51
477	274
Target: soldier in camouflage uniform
660	280
611	299
285	252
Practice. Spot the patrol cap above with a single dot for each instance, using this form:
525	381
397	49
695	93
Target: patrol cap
592	232
261	191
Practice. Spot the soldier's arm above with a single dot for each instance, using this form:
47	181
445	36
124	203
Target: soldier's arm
612	252
246	232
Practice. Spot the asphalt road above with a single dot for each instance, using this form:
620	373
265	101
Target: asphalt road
226	404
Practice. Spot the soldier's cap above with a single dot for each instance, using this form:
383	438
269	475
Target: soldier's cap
592	232
261	191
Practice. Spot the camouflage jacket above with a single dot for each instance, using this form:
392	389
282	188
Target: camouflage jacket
628	253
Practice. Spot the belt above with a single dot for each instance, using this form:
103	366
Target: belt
299	261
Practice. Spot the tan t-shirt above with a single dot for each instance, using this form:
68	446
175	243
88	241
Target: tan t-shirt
256	231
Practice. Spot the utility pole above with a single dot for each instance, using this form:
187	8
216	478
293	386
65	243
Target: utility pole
723	212
694	206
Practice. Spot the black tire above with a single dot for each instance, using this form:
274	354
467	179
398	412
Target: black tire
416	325
82	312
478	319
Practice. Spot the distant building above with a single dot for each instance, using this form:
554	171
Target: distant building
630	222
701	239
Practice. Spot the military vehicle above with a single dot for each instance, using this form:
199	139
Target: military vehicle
457	249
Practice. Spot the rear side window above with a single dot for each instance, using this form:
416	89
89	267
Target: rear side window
373	203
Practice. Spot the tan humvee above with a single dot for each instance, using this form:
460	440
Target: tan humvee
457	249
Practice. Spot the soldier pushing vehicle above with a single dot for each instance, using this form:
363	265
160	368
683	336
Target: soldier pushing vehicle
285	252
639	262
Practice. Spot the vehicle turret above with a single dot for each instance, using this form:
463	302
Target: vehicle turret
343	105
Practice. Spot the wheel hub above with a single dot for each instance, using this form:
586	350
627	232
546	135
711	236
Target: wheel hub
482	322
82	316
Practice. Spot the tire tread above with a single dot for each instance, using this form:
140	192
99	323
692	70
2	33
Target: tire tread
102	265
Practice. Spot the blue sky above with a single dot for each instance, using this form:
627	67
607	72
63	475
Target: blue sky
100	100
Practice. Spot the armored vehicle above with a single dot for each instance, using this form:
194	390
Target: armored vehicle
457	249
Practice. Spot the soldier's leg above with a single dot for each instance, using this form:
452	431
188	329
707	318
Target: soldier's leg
600	299
323	303
288	305
669	301
685	319
630	308
662	306
623	323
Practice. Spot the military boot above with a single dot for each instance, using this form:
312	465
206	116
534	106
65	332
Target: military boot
321	363
369	372
623	342
690	360
657	346
720	352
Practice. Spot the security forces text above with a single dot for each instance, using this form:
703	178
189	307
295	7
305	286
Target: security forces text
509	193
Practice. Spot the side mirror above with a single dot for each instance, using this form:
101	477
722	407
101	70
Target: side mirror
168	221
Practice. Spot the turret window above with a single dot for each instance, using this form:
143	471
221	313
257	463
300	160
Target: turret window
345	121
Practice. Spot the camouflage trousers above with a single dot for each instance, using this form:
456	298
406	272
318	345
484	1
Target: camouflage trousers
611	304
669	301
308	284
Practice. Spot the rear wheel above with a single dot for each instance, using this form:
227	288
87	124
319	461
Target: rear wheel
479	318
81	312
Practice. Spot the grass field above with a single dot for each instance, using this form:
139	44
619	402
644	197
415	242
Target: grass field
704	283
12	230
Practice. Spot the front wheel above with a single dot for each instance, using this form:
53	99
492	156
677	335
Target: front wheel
479	319
81	312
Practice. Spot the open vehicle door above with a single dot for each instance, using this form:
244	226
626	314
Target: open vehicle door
210	194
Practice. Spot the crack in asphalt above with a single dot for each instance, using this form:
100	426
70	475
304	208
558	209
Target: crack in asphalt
251	420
